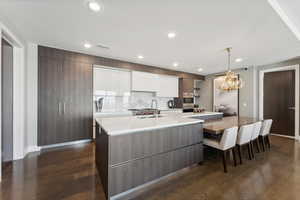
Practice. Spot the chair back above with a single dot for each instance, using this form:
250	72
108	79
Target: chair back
245	134
228	139
256	130
266	127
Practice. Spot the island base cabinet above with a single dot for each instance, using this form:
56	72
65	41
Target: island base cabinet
127	161
138	172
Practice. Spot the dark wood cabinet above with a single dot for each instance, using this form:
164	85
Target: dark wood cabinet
186	86
65	97
65	111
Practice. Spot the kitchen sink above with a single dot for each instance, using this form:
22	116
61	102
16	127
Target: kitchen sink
149	116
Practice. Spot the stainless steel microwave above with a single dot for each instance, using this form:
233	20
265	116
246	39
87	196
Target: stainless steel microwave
188	100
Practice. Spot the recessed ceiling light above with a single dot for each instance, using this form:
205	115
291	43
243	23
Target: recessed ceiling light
239	60
175	64
87	45
140	57
94	6
200	70
171	35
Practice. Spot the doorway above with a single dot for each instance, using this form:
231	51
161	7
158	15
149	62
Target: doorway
280	100
6	102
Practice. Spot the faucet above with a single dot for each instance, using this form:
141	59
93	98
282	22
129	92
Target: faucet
156	106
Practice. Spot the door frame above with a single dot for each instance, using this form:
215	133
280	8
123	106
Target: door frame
261	95
18	92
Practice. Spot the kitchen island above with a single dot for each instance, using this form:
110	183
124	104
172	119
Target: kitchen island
133	151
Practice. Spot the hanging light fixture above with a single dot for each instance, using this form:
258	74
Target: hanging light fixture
231	80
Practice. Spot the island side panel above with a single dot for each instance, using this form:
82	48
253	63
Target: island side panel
126	147
102	157
138	158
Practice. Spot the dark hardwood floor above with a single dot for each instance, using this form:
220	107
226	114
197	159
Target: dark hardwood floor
70	174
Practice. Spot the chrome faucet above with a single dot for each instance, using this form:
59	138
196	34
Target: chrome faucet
156	106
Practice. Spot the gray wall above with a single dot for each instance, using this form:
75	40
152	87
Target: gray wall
247	95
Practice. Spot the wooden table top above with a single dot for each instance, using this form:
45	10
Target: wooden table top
217	126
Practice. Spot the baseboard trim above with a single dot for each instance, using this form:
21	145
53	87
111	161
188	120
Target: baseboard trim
285	136
33	149
64	144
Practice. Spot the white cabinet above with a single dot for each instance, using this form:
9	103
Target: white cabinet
114	82
111	82
142	81
167	86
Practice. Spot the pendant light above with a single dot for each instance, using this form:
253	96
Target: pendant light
231	80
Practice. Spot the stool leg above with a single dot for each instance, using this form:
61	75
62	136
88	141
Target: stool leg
249	151
240	153
252	148
263	143
268	141
257	145
224	161
233	154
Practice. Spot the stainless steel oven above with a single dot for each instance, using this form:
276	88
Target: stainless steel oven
188	100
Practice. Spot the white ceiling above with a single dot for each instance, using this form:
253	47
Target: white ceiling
132	27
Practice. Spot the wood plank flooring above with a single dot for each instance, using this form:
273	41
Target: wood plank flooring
71	174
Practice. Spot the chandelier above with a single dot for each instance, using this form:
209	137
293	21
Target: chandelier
231	80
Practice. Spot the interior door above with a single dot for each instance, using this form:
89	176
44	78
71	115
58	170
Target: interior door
7	101
279	101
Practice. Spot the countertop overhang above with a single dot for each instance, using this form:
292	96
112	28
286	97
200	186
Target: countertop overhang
131	124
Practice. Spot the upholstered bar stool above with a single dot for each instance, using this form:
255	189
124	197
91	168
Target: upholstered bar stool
244	138
264	133
254	137
227	143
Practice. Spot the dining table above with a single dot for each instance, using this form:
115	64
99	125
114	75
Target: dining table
217	126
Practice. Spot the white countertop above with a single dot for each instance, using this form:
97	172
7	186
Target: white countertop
116	113
124	125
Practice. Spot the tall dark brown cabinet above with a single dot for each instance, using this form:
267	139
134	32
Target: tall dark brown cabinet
65	111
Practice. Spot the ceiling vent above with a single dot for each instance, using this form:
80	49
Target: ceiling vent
102	46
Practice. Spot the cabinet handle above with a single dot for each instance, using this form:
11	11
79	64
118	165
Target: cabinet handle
59	110
64	108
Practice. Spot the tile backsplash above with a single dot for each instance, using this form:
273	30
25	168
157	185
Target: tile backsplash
137	100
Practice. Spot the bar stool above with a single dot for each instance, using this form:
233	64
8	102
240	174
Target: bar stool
244	138
227	143
264	133
254	137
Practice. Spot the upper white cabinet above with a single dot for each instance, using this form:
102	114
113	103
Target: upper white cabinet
167	86
111	82
145	82
115	82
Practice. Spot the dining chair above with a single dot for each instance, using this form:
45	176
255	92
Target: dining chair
244	138
254	137
264	133
227	143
